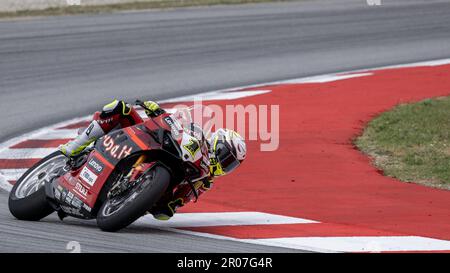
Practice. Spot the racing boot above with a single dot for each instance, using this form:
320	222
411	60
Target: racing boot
77	145
166	212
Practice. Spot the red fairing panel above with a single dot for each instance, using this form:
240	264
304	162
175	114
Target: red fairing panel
87	182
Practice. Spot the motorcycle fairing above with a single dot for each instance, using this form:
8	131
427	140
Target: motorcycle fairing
79	190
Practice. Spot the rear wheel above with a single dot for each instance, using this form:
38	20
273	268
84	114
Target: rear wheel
120	211
27	199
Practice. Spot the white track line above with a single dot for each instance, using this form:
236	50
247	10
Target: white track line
26	153
220	237
324	79
12	174
223	219
336	244
416	64
218	95
359	243
4	184
57	134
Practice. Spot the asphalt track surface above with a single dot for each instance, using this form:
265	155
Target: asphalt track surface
52	69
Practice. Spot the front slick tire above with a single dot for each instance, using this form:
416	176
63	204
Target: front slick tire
153	185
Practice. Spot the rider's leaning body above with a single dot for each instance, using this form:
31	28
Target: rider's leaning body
227	148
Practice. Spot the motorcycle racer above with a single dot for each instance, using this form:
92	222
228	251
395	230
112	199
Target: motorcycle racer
227	149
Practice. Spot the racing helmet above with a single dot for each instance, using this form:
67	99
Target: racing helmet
228	150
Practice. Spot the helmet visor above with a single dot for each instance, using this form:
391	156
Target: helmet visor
226	157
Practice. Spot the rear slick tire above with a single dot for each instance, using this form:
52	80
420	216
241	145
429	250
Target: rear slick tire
33	206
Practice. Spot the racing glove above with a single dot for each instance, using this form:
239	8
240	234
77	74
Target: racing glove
153	109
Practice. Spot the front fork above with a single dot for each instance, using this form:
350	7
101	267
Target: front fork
138	168
126	182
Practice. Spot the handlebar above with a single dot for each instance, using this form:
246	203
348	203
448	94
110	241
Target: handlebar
141	104
155	113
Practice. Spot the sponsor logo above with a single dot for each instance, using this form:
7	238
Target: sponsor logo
69	197
116	150
89	129
98	167
81	190
104	121
63	195
86	207
88	176
174	126
77	203
57	194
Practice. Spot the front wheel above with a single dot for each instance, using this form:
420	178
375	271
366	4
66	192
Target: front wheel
120	211
27	199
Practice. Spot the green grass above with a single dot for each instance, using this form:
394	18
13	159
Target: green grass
412	142
138	5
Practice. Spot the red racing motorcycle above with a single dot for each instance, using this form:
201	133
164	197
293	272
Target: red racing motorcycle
120	177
